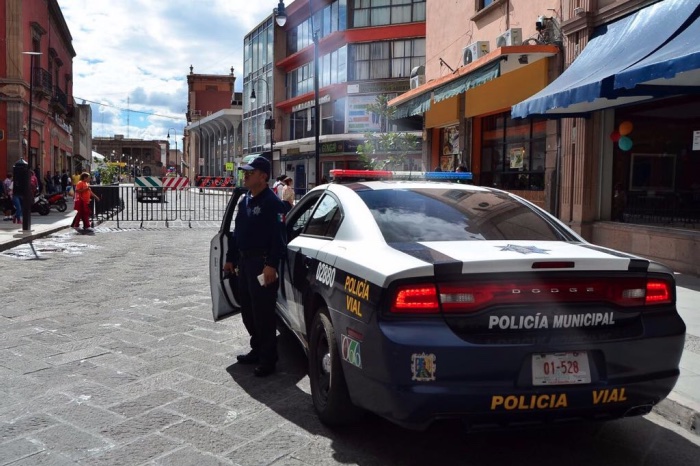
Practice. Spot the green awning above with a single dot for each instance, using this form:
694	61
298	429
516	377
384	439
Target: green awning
468	81
416	106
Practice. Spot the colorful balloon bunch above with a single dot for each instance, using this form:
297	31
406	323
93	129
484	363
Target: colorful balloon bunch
620	135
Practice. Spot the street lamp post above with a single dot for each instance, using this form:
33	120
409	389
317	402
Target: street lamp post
176	154
269	122
281	19
28	197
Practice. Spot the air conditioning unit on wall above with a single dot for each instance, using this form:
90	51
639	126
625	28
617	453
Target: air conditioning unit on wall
474	51
417	81
513	36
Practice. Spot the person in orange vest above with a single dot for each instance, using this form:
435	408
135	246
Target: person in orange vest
83	194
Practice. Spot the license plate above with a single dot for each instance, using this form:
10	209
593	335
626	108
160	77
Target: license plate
560	368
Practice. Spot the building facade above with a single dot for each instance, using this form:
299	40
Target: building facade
482	58
585	107
36	26
363	49
213	132
629	137
136	157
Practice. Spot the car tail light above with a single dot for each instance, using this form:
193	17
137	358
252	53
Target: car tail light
415	299
464	298
658	292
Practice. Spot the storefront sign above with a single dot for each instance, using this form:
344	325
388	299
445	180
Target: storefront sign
311	103
358	118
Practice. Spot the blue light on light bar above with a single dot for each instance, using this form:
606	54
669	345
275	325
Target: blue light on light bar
366	175
432	176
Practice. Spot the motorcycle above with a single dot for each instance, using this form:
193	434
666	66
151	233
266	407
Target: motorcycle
57	200
41	205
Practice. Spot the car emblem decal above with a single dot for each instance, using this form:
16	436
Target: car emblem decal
423	367
523	249
351	351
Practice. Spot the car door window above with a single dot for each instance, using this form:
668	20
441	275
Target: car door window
326	219
300	216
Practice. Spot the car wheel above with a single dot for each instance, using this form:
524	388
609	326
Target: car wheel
329	391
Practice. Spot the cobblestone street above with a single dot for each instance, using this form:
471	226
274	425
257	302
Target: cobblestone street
109	356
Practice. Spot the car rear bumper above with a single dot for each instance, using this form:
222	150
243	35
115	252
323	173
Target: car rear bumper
492	384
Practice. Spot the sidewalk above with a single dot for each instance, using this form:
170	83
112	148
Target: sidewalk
682	406
11	234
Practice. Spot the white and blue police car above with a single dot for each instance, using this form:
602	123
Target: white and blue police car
422	300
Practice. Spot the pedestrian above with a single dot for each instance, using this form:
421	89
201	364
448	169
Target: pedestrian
7	197
83	194
64	180
34	184
16	189
279	185
255	251
75	178
56	181
288	193
48	182
39	184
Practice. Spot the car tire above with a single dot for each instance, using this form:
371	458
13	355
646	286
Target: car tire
329	391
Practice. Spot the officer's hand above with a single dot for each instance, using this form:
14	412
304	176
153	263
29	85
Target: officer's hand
229	267
270	275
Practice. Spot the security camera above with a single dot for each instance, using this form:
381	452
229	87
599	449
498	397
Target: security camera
539	25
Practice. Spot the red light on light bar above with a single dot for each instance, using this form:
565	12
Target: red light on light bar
361	174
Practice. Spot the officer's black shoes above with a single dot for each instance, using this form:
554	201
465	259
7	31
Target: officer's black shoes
250	358
264	370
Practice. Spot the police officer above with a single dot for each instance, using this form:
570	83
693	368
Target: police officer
255	250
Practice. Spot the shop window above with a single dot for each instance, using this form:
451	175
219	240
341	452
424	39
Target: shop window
513	153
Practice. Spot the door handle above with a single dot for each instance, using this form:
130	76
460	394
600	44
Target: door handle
307	262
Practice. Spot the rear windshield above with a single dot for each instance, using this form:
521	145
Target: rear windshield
444	214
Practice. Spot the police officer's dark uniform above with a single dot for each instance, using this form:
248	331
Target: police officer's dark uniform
258	241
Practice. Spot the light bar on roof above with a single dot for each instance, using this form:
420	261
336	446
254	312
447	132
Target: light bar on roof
432	176
357	175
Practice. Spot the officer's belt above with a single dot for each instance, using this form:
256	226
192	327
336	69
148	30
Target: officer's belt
252	253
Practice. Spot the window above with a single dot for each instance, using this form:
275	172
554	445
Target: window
379	60
325	220
513	153
332	69
434	214
484	3
382	12
330	19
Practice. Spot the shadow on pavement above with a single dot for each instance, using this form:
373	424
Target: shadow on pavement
375	441
688	281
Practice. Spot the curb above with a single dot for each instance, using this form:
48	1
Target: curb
29	237
680	411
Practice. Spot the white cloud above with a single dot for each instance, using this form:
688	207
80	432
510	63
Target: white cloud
136	54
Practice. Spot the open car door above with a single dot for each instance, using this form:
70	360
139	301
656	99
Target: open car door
224	287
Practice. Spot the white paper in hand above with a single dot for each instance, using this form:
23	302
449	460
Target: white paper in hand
261	278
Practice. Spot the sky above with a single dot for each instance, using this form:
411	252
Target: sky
133	57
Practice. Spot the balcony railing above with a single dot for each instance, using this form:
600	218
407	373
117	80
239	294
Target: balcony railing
42	81
60	100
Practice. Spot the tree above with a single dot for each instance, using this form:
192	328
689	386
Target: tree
386	149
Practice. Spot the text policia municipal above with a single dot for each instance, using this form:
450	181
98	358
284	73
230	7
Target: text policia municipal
591	319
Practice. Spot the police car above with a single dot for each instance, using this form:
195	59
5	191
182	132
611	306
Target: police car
428	300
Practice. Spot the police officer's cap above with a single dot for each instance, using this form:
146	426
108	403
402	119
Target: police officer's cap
258	163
